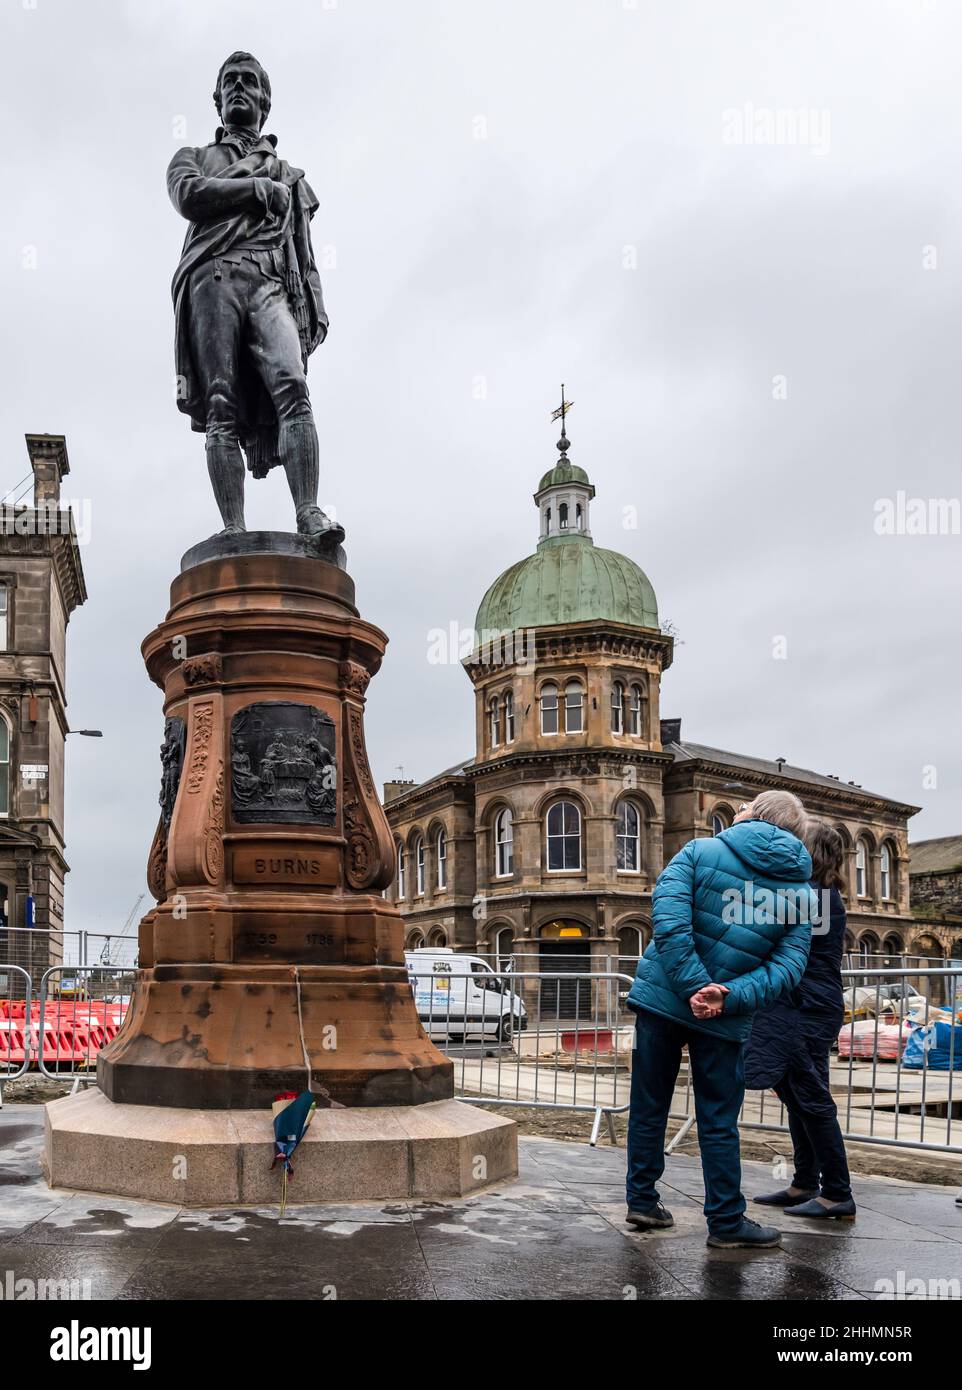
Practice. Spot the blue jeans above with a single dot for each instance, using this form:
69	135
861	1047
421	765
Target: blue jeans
718	1081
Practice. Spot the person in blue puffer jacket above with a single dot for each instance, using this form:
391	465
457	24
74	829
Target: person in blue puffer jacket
732	918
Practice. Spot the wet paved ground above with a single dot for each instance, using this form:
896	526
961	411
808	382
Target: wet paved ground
557	1233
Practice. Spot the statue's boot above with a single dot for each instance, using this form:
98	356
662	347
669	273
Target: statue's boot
300	455
225	464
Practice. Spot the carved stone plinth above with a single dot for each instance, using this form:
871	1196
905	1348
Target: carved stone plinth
270	954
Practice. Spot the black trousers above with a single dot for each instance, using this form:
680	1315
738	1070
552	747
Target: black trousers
820	1162
237	306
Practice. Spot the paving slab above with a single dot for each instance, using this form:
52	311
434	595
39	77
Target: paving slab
557	1232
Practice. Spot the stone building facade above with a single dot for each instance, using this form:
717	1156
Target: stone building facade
935	873
41	583
545	846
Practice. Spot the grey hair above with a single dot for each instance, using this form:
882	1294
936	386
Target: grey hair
782	809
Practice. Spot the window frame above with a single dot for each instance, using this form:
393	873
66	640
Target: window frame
618	705
552	687
574	685
626	806
494	722
509	716
504	843
636	707
564	836
441	858
420	867
861	869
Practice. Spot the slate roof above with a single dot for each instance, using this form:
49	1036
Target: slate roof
689	752
940	856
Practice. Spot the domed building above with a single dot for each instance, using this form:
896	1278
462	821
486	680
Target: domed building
544	846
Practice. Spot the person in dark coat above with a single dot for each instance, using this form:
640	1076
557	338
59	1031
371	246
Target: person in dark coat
789	1046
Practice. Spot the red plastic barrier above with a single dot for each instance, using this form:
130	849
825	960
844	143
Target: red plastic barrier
71	1032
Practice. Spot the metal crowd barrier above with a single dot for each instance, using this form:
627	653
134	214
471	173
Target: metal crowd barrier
559	1040
890	1091
81	1009
15	1018
552	1040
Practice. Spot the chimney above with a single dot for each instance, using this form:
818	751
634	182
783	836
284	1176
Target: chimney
48	457
392	790
670	731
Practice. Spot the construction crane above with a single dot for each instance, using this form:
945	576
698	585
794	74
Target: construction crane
124	935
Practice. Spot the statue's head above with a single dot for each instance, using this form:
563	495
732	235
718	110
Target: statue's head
243	92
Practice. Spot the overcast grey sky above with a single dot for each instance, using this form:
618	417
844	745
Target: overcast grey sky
516	193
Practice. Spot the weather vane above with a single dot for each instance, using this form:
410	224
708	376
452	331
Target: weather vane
563	409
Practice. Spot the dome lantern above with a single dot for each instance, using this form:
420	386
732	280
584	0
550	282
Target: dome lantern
568	579
564	492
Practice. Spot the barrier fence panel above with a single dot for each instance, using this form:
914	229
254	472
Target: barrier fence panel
81	1009
16	1006
547	1039
892	1070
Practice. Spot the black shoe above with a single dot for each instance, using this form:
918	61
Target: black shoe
312	522
838	1211
785	1198
656	1218
748	1236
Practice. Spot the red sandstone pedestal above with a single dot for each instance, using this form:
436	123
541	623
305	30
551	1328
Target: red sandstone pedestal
270	961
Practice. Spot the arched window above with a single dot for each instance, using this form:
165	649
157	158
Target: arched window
509	716
419	863
4	768
494	715
630	946
617	707
563	517
574	708
861	869
636	721
547	517
718	823
504	948
504	844
401	861
628	838
578	516
885	872
564	836
442	849
549	709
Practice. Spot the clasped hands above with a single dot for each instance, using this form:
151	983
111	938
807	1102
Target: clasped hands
709	1001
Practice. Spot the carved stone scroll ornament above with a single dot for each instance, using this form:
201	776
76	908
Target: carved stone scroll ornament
171	764
369	864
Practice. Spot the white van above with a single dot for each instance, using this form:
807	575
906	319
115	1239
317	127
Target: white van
460	997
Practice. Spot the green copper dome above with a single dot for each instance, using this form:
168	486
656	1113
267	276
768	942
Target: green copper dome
568	580
564	471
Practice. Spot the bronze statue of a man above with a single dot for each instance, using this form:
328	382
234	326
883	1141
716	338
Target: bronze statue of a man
247	302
